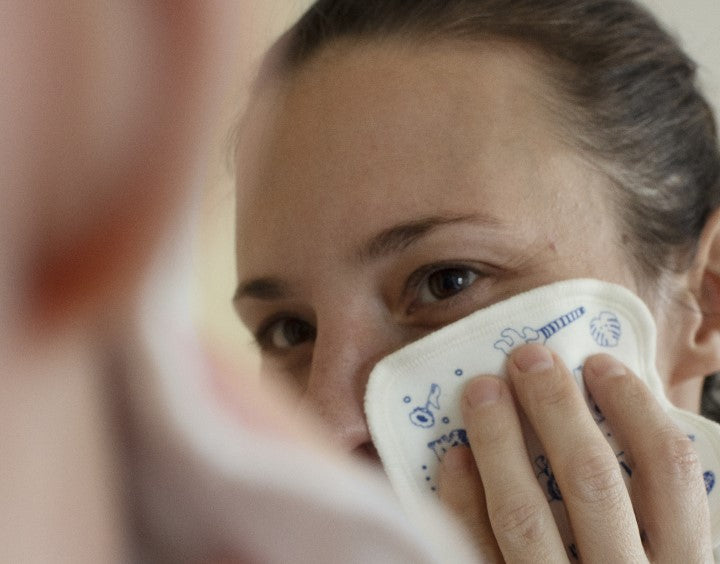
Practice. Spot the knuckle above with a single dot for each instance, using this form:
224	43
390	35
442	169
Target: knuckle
487	434
594	477
631	390
552	390
518	519
679	458
488	429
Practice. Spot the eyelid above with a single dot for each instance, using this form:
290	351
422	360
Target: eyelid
422	274
262	333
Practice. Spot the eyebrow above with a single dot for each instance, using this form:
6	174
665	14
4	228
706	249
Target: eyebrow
388	241
401	236
261	289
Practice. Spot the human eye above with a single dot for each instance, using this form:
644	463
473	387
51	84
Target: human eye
433	284
444	283
284	333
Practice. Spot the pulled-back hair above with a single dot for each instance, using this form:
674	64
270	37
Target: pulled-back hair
626	95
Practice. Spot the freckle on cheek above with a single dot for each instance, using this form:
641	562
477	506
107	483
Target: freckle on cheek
552	247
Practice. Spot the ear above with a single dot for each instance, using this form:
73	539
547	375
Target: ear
702	322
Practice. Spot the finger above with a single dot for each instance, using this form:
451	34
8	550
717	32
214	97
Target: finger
461	490
584	465
519	513
667	483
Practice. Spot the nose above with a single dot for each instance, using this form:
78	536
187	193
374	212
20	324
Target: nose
343	357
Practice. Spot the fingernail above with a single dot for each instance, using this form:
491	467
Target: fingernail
533	358
605	366
482	391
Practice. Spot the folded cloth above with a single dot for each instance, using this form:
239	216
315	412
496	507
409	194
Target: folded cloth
413	396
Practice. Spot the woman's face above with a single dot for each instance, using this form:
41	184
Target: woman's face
400	189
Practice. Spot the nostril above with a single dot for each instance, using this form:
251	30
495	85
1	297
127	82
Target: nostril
367	451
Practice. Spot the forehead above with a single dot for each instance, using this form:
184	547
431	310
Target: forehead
365	135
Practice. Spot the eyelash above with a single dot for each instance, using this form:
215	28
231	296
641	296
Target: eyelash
412	290
263	335
422	276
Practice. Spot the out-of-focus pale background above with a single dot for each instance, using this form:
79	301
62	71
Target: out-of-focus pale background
214	256
695	21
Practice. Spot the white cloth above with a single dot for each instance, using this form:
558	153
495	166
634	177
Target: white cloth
412	399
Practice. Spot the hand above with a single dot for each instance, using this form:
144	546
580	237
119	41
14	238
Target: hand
494	490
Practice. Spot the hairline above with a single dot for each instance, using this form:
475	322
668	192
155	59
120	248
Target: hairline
551	73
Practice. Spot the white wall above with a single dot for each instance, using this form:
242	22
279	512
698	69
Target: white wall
213	247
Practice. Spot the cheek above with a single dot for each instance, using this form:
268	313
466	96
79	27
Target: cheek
292	377
585	237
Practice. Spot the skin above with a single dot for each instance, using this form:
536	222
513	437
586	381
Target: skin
389	169
112	107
